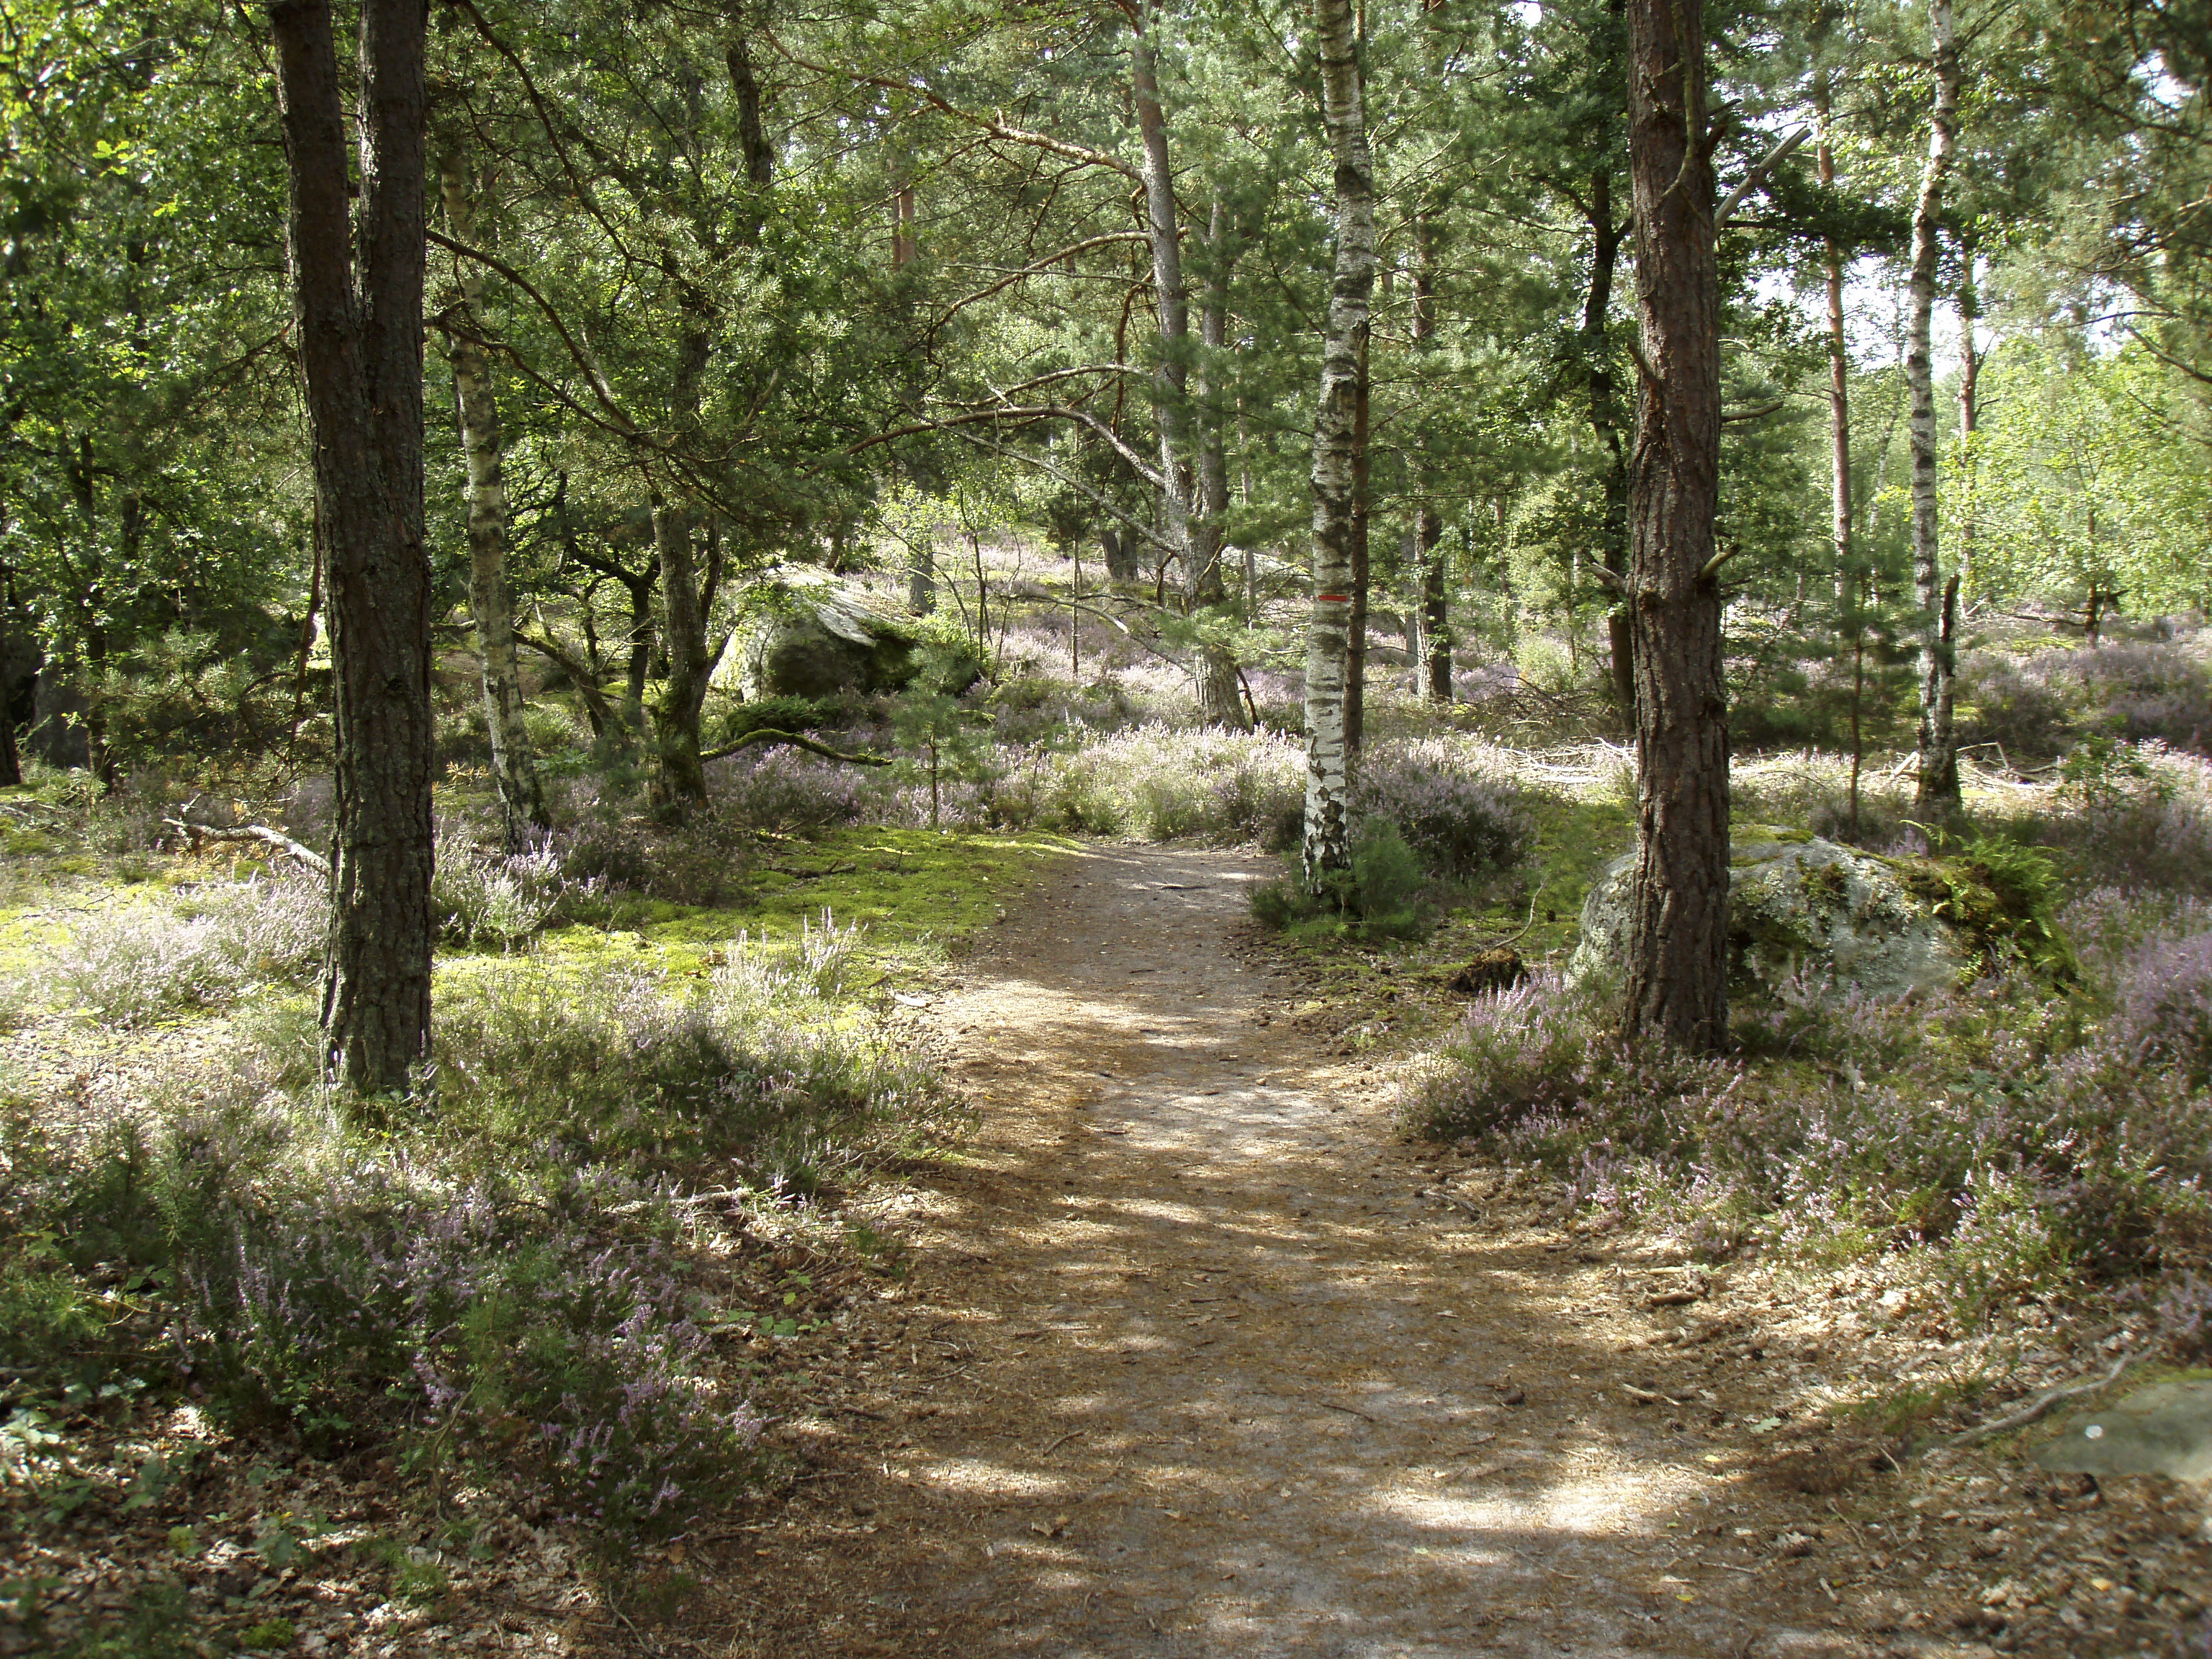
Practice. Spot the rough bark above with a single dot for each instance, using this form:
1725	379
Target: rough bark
1326	847
1676	989
1119	553
1432	671
1436	606
476	412
686	599
1839	365
1218	701
361	352
1355	620
1604	416
1171	376
1937	796
684	637
1194	533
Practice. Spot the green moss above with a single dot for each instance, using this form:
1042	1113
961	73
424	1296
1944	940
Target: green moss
907	887
1574	840
1999	899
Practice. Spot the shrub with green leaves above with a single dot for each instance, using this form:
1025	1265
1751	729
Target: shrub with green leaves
1377	898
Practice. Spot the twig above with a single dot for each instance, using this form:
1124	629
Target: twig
1062	1441
1331	1406
1521	931
1838	1510
2043	1402
198	832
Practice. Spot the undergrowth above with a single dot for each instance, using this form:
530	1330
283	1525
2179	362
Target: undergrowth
493	1276
2010	1141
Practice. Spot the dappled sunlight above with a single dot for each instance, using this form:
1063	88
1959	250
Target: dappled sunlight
1219	1380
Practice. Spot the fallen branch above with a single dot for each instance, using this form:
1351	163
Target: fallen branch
768	734
2041	1407
196	832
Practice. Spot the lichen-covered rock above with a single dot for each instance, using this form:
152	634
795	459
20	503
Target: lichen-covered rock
812	636
1799	903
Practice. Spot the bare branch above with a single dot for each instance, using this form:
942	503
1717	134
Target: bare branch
1037	268
1753	179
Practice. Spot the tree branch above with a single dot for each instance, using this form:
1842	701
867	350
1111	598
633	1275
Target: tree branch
1038	269
196	832
1751	181
582	358
768	735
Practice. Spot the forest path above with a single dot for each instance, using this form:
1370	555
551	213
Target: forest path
1206	1375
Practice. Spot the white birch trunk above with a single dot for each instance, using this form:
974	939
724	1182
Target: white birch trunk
514	774
1329	781
1938	792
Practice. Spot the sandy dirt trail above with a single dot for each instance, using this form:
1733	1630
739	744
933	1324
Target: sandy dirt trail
1208	1378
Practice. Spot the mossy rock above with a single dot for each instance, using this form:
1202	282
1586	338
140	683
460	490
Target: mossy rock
814	637
1798	904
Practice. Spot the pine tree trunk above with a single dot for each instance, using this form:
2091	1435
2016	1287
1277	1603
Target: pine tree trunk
1172	377
1326	848
922	578
1435	608
361	352
684	637
1840	368
639	669
1432	667
1937	797
1677	986
1218	703
476	409
1604	416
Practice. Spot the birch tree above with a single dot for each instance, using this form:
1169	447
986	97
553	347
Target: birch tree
1937	795
1328	834
475	415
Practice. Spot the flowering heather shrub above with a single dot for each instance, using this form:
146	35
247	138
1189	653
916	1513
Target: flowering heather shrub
1157	783
609	1063
496	898
2108	924
2136	690
1979	1128
150	961
2164	1016
787	789
817	964
1461	825
1513	1055
513	1323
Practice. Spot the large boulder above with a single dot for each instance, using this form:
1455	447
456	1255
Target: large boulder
813	636
1797	904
